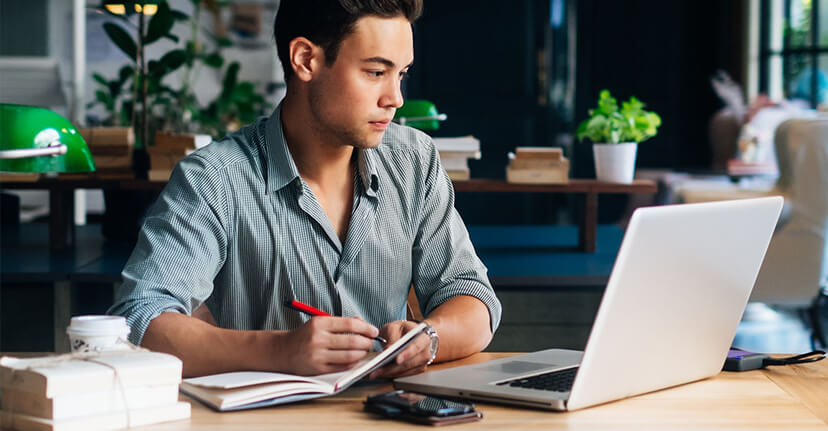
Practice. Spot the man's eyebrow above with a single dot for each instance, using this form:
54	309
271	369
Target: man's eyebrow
384	61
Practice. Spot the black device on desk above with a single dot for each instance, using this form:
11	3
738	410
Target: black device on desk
742	360
419	408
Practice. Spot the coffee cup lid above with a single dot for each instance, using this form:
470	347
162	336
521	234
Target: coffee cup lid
98	325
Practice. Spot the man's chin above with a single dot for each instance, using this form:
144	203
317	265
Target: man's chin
369	142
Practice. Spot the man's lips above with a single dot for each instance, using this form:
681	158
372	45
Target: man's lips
380	124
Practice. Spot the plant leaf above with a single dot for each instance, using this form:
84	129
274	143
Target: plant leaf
100	79
229	83
105	99
606	103
221	42
173	59
214	60
155	68
179	16
160	24
125	73
126	112
608	124
114	89
121	39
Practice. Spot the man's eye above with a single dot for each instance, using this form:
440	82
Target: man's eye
376	73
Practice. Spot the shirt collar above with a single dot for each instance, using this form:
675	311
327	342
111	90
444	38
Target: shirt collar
367	167
281	169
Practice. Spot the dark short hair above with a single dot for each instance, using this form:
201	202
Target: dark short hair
328	22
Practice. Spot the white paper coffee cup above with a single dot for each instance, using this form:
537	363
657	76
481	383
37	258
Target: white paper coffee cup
95	333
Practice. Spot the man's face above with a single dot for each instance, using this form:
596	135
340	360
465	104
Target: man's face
355	98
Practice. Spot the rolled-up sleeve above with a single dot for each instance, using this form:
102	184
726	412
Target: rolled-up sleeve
445	264
181	248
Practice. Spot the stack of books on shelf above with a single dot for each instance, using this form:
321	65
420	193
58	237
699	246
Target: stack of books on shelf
111	148
169	149
537	165
738	167
19	177
90	392
455	154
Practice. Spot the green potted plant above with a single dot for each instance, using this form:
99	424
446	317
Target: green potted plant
174	109
615	133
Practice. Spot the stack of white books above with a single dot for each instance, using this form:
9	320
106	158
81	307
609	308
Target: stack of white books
90	392
455	154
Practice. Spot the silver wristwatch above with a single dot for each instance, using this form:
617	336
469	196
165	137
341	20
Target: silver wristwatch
434	343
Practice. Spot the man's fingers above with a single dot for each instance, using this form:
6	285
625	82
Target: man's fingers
393	331
347	358
414	349
350	325
350	342
411	371
399	370
413	360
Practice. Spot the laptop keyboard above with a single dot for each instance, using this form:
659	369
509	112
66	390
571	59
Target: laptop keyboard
555	381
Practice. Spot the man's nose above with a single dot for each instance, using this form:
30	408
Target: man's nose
393	97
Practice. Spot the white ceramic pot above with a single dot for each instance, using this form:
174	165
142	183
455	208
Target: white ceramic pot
615	163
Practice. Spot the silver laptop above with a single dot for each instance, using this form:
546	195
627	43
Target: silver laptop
670	310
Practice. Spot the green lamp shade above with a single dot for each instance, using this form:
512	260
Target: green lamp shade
420	114
38	140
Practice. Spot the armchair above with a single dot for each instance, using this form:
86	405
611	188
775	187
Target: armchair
796	263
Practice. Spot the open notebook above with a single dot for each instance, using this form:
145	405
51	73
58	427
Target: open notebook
251	389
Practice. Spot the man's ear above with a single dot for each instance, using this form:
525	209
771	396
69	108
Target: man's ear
306	58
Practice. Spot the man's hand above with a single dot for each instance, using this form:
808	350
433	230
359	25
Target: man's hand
410	361
327	345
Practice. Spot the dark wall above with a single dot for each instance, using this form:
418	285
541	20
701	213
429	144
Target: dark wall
478	61
476	64
662	52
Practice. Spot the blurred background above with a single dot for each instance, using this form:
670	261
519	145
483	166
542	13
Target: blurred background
723	76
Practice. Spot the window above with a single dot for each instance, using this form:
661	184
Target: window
794	50
24	28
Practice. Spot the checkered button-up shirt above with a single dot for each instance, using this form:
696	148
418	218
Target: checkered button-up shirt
237	228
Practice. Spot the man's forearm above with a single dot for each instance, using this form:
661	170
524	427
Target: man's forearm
463	324
206	349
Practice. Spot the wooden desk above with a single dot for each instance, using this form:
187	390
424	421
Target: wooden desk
61	199
789	398
589	188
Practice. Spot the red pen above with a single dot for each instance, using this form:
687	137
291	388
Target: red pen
313	311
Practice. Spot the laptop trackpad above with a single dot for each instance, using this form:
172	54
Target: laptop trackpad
515	367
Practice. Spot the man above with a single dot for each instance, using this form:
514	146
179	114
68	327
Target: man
326	202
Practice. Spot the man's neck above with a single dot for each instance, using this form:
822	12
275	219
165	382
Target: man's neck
320	159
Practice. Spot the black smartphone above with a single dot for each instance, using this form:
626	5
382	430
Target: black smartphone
420	408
